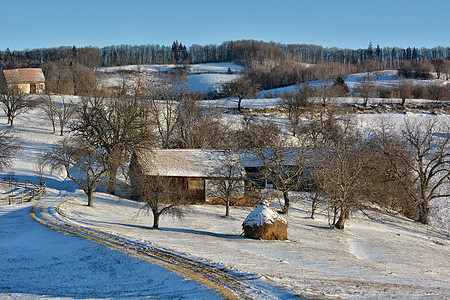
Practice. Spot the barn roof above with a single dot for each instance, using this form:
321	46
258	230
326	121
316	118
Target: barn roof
29	75
190	163
283	156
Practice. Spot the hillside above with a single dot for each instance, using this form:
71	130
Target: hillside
378	255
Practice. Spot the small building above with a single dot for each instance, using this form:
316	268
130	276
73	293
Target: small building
195	170
26	80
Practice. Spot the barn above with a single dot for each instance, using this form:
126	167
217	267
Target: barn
195	170
27	80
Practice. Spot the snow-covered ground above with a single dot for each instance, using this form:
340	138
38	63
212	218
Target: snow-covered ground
387	257
385	78
384	257
200	78
37	262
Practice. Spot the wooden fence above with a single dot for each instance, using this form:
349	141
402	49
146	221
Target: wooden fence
29	191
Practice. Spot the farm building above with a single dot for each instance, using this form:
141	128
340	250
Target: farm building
27	81
197	171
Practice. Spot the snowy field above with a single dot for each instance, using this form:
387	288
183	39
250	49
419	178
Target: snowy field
200	78
380	257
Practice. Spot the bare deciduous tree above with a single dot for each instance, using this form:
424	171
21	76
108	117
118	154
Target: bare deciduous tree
282	164
164	99
427	143
228	181
239	88
295	103
117	123
404	90
340	172
82	162
366	89
15	103
161	196
324	74
9	147
63	111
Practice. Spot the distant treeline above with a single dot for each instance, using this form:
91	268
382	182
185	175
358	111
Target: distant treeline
244	52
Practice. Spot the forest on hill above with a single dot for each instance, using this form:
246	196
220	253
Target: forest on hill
243	51
267	65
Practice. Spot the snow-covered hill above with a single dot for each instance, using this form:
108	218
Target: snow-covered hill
383	256
202	78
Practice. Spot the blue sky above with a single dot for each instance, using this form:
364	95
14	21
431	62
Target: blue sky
342	23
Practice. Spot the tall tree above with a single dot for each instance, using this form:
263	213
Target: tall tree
118	123
427	143
281	164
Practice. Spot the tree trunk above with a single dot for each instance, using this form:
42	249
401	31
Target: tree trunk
239	104
334	214
423	213
112	172
341	221
61	128
227	209
155	218
90	195
314	205
286	202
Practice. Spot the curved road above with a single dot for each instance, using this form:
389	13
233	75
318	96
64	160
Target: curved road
229	283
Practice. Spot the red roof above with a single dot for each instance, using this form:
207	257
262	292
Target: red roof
30	75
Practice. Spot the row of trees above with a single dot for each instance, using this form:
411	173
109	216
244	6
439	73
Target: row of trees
401	169
243	51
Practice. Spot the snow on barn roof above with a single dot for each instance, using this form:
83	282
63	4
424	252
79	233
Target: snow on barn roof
29	75
283	156
189	163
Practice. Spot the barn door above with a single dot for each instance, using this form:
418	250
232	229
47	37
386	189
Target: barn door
32	88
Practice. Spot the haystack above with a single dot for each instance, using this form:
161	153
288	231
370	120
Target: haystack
265	223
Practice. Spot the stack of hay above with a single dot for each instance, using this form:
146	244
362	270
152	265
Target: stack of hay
265	223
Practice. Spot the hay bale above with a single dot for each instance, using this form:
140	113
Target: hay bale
265	223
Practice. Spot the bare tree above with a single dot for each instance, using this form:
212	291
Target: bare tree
239	88
163	101
228	181
161	195
282	165
191	123
404	90
15	103
366	89
63	111
324	73
9	147
340	170
83	163
427	143
117	123
295	103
